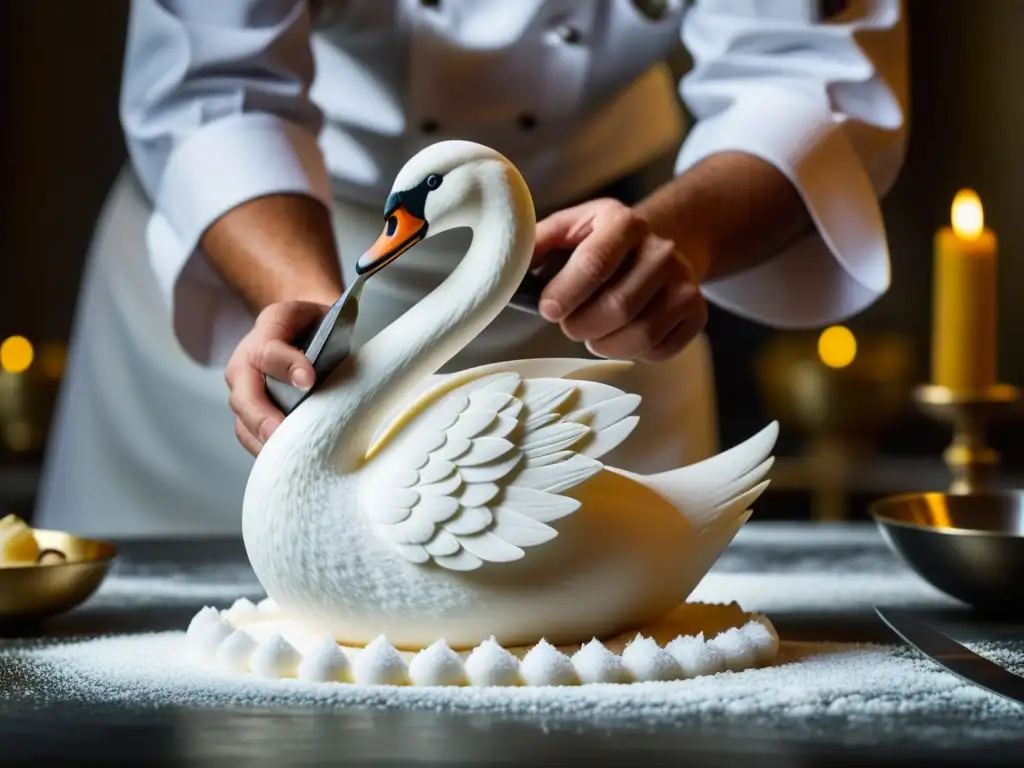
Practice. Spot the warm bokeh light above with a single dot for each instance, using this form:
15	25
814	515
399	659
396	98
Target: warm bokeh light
16	354
51	360
837	347
967	215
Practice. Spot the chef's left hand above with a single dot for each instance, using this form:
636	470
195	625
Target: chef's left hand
625	292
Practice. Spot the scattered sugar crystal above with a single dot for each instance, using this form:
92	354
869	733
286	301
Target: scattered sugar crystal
695	657
647	661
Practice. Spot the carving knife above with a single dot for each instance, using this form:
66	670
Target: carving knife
328	344
953	656
527	296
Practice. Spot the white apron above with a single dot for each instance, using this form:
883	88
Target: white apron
143	441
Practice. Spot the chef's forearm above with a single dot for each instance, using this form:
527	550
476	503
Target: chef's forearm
728	213
276	248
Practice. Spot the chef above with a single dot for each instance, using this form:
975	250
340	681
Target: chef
264	136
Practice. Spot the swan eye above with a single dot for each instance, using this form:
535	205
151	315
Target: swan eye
391	225
433	181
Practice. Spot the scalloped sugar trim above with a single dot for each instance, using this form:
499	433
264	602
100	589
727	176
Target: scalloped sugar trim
276	642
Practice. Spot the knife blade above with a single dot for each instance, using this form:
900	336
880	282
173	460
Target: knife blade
327	344
953	656
326	347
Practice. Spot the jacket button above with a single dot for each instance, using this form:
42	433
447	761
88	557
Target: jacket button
568	34
654	10
527	121
429	126
430	3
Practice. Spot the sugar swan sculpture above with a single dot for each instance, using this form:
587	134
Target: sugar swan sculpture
419	506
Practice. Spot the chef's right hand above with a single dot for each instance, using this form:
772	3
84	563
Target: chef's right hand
267	349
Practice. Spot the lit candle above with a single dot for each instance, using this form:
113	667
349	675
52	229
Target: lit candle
964	301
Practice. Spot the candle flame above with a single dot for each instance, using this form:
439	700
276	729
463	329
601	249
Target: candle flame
967	215
837	347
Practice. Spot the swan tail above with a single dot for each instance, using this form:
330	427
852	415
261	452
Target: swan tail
720	490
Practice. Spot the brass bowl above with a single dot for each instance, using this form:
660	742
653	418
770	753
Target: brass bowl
970	546
35	592
854	401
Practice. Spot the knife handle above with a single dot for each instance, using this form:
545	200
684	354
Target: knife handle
326	344
281	393
527	296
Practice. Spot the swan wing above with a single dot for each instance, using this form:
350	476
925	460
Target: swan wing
479	471
430	389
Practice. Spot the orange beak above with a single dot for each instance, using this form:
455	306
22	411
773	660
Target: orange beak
402	230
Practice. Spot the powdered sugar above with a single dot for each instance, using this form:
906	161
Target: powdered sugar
847	683
824	535
817	593
847	693
142	588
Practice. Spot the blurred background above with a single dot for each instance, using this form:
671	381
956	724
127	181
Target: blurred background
850	429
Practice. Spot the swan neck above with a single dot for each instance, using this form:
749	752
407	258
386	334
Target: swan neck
416	345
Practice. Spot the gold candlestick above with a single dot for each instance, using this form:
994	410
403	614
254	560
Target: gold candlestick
969	458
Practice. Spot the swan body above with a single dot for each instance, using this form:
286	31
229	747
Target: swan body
400	502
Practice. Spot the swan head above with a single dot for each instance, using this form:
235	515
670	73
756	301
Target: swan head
430	195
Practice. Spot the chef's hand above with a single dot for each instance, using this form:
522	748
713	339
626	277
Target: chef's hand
268	349
625	292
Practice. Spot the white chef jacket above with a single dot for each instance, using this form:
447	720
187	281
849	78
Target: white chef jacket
223	102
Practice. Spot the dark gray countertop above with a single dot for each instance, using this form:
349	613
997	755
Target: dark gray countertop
816	584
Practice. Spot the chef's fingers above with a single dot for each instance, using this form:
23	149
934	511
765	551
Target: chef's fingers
646	332
284	362
249	401
271	343
680	337
594	261
565	228
623	298
268	348
245	437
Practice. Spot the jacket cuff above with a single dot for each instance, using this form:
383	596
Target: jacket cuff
225	164
841	268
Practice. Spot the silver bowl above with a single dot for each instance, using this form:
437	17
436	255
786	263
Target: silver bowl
970	546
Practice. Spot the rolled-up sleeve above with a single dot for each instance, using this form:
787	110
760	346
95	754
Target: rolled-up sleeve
215	111
825	101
